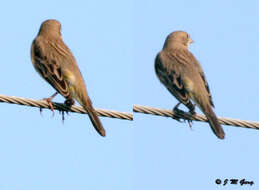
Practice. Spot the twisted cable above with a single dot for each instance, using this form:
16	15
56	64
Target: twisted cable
127	116
62	107
196	117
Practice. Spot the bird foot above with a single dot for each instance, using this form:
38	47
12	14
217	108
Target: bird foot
192	112
41	111
190	123
177	112
69	103
48	100
63	115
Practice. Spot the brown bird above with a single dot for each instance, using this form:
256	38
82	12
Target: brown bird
54	61
181	73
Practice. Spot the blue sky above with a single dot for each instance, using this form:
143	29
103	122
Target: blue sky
115	43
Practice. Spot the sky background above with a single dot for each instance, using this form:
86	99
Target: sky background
115	43
169	155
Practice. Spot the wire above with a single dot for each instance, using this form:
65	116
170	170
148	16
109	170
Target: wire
62	107
125	115
196	117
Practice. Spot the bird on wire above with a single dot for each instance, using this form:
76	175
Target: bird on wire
181	73
55	63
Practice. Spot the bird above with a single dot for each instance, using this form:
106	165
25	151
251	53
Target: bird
55	63
181	73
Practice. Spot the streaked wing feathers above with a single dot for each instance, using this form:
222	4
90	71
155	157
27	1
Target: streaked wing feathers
49	69
169	75
207	87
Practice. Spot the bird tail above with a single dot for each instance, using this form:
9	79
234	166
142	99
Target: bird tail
214	122
87	104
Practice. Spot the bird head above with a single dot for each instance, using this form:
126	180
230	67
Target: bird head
178	37
50	27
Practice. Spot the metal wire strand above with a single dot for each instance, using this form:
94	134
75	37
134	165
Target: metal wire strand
63	107
196	117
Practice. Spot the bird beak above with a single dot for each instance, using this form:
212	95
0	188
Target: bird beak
190	41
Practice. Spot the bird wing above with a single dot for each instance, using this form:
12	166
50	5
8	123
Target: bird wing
207	87
198	66
169	74
49	68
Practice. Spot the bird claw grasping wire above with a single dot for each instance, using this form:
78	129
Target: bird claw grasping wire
177	111
63	114
69	103
48	100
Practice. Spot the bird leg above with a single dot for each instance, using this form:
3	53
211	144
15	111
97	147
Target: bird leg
48	100
192	112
